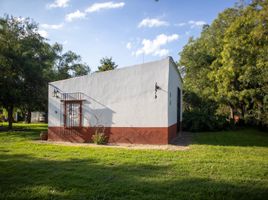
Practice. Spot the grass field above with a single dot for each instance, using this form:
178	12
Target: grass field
224	165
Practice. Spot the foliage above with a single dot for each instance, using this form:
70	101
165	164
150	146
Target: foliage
68	64
20	58
243	76
224	165
228	62
99	137
196	120
27	63
200	114
2	117
106	64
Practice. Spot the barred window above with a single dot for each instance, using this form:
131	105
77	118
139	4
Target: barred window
72	114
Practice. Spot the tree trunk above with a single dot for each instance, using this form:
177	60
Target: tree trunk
243	108
29	116
231	112
10	116
242	119
46	118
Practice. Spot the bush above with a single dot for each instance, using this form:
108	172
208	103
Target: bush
199	121
201	114
44	135
2	118
99	138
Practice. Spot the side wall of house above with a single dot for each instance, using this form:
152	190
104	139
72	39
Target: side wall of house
123	101
174	83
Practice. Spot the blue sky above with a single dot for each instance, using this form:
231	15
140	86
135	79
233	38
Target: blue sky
130	31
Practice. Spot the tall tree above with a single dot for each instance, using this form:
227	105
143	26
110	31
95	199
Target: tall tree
38	71
69	64
243	77
227	63
106	64
14	33
28	63
199	56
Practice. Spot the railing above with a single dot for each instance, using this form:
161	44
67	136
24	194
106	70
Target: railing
72	96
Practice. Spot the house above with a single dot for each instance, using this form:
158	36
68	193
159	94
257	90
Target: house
138	104
38	116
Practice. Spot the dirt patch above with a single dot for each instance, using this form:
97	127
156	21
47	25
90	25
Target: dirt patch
180	143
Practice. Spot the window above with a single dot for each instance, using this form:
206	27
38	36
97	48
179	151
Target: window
72	114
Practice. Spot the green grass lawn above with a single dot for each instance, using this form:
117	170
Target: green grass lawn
223	165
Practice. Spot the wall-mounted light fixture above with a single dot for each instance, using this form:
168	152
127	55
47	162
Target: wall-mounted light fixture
56	93
155	90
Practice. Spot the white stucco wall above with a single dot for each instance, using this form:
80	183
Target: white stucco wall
174	83
120	98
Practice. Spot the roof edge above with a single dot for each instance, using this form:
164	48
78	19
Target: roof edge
122	68
174	64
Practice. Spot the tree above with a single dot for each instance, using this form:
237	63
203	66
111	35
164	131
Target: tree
243	77
227	63
28	63
38	71
106	64
14	33
200	55
198	62
68	64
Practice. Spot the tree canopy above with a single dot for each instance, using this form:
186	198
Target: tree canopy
106	64
228	63
68	64
27	63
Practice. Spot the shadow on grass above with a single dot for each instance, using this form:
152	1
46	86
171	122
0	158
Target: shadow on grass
246	137
26	177
23	131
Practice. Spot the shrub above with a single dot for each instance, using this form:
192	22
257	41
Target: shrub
44	135
200	114
2	118
200	121
99	138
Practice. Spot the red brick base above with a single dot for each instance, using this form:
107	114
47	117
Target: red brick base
135	135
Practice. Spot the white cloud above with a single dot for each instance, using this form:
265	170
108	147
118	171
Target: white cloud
181	24
129	45
93	8
43	33
153	47
75	15
192	24
51	26
104	6
59	4
162	52
151	22
196	23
